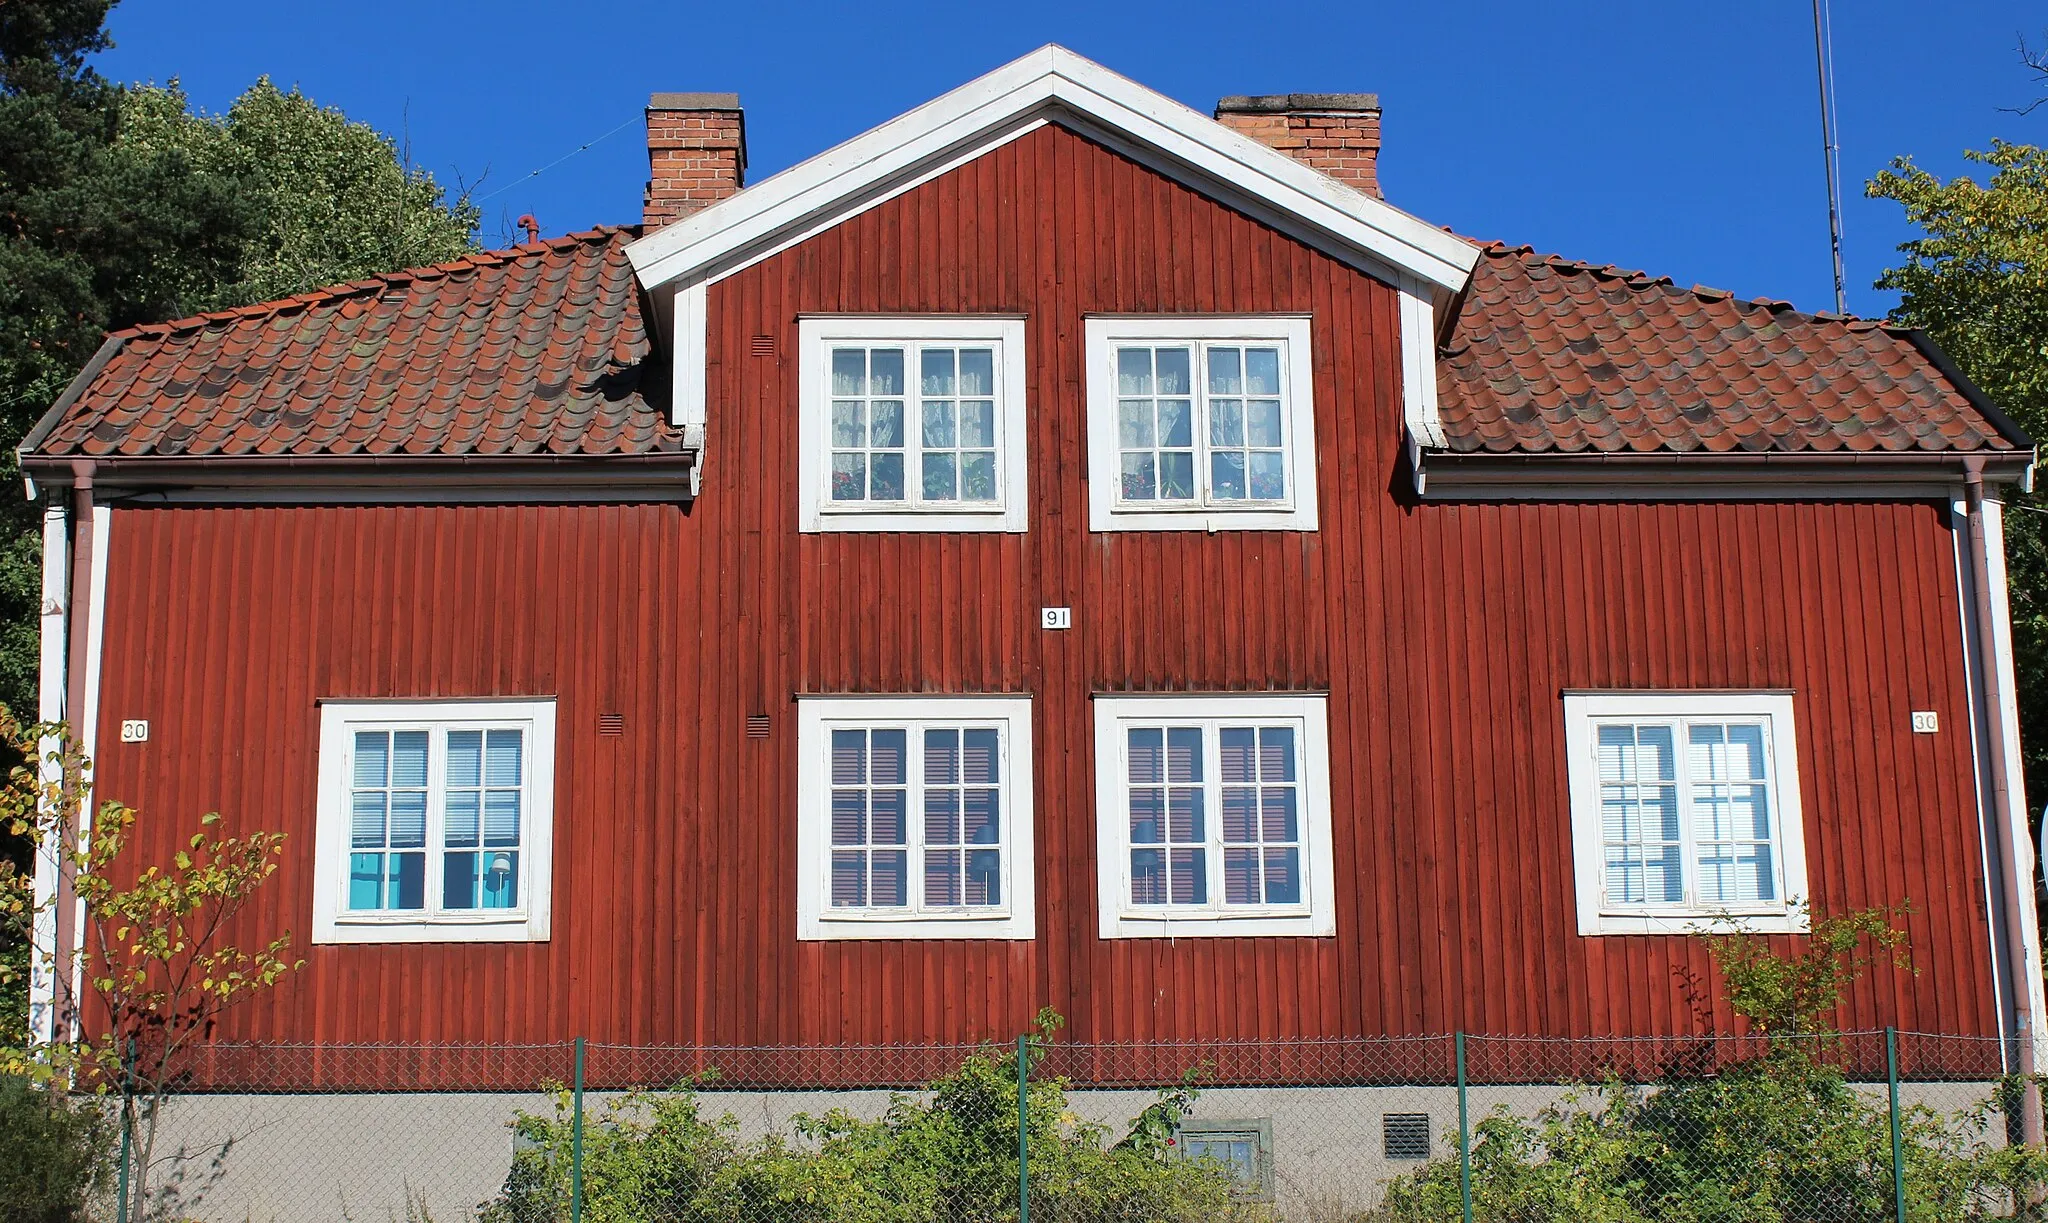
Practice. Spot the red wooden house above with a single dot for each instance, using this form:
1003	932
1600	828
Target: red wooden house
1055	549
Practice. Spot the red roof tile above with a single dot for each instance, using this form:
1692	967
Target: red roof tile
535	351
1554	356
541	351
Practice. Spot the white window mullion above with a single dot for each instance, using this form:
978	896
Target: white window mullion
1212	748
437	839
913	826
1688	827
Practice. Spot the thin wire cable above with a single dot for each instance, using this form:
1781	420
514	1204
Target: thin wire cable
551	165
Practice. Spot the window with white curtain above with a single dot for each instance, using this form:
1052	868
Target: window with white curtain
911	424
435	821
1213	816
914	817
1685	810
1200	422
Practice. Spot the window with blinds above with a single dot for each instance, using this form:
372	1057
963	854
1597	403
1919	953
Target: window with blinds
441	819
915	816
1685	806
1213	815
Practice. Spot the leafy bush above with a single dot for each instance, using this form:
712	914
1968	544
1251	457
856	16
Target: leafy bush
1781	1137
947	1153
53	1151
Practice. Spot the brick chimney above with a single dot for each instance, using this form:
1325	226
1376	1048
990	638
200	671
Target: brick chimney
696	153
1337	133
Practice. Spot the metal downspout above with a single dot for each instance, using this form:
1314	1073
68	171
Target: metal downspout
56	612
70	911
1995	697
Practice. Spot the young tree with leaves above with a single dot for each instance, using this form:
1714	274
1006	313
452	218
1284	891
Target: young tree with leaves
1976	281
159	967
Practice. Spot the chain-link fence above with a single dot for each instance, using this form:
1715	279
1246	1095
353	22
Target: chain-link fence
1863	1126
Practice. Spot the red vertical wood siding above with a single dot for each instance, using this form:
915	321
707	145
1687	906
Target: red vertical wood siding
1443	634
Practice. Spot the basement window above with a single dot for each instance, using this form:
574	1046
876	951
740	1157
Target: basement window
434	821
1243	1150
1685	812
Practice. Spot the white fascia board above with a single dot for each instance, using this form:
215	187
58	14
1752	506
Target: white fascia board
997	107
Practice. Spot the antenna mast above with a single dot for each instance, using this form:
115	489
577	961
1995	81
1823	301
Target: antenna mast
1831	150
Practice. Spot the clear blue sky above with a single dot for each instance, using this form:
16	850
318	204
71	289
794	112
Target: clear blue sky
1683	139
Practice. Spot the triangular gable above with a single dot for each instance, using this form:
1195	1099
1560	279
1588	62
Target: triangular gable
1051	82
678	262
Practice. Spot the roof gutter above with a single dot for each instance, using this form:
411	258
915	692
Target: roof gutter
1487	476
666	474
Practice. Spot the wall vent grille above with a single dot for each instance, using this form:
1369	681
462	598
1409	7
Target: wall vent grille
611	724
1406	1135
764	345
757	726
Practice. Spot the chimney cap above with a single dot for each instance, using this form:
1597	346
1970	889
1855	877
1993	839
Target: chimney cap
694	101
1296	103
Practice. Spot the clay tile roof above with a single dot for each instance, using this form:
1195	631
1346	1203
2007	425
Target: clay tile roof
535	351
1550	355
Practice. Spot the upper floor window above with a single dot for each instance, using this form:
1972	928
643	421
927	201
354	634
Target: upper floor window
914	817
1200	422
1213	816
911	424
435	821
1685	808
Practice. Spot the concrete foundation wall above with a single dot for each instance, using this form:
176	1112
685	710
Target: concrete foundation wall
407	1158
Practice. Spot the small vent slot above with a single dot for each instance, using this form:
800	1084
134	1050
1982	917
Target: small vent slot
611	724
757	726
1406	1135
764	345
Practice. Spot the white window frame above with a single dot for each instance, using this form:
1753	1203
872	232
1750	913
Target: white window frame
1585	711
816	718
1316	917
1107	511
334	922
816	334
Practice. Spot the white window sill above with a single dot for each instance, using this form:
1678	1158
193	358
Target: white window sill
996	520
1262	925
366	928
877	926
1302	518
1698	921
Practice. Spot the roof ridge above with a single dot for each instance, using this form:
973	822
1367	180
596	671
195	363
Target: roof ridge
1707	293
375	283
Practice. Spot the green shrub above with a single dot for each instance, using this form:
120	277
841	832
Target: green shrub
53	1151
948	1154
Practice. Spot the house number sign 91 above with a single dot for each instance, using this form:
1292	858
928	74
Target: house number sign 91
1055	617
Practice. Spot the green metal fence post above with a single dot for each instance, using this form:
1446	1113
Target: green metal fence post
1891	1071
576	1143
1464	1138
1023	1130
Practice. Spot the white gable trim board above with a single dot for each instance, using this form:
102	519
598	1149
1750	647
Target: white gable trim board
1423	262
